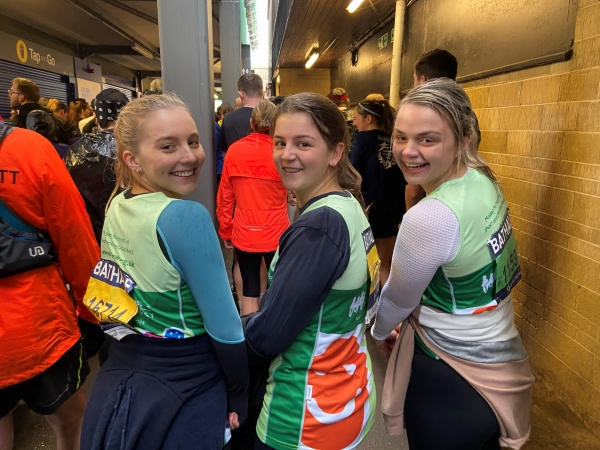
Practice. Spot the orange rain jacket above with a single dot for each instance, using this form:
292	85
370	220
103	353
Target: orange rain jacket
251	185
38	321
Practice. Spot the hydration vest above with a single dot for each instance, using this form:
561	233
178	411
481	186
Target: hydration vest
22	247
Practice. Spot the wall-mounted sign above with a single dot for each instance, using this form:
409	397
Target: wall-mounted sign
382	42
28	53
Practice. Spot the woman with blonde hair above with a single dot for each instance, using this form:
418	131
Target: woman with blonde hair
460	376
177	367
310	331
252	203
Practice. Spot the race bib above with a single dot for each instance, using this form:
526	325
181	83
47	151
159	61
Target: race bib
373	264
107	295
503	248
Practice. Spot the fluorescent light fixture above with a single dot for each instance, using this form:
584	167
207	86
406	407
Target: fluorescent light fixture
354	4
313	57
142	50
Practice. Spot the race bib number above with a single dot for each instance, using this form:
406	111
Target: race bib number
373	264
107	295
503	248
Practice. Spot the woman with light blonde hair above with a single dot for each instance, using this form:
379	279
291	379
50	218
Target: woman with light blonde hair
176	372
460	376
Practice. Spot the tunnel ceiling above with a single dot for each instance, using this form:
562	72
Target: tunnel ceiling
326	25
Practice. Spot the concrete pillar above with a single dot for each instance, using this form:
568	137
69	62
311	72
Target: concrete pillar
231	48
187	69
397	53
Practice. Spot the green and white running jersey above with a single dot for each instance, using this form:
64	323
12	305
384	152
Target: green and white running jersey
486	266
320	392
134	286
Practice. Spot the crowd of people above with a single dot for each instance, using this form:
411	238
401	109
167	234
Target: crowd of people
344	220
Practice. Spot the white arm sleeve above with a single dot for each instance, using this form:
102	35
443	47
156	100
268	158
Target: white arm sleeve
429	237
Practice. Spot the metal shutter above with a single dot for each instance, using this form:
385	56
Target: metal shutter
52	85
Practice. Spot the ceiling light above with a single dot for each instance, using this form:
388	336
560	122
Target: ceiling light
354	4
311	60
142	50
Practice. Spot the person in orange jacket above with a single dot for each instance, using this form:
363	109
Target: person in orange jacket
42	360
251	185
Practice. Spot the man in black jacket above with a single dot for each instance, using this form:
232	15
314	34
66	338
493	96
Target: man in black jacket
24	95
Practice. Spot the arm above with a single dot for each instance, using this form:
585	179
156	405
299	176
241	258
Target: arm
414	194
359	159
429	237
225	204
73	239
188	234
314	253
222	142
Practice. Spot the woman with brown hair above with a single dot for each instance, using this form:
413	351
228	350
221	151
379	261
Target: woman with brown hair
310	331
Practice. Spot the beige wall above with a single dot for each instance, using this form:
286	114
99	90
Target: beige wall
541	135
294	81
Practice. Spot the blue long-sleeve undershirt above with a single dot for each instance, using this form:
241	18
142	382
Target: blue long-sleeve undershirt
197	256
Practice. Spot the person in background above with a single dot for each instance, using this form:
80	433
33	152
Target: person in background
235	126
310	330
66	133
382	181
42	122
374	97
156	86
433	64
223	109
237	103
90	160
24	95
459	376
177	368
43	360
252	185
89	125
278	100
79	111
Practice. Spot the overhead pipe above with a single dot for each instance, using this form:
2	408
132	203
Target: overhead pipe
397	53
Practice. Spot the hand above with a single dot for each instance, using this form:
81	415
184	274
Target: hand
92	337
387	345
291	199
233	420
228	244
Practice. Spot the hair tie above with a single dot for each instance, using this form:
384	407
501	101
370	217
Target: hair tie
368	110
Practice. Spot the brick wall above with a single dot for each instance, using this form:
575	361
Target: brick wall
541	135
298	80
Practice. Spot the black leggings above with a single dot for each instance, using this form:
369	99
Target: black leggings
443	411
250	263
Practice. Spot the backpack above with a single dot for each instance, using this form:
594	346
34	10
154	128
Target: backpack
22	247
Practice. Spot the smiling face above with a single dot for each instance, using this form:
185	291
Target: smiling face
305	162
169	155
425	147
